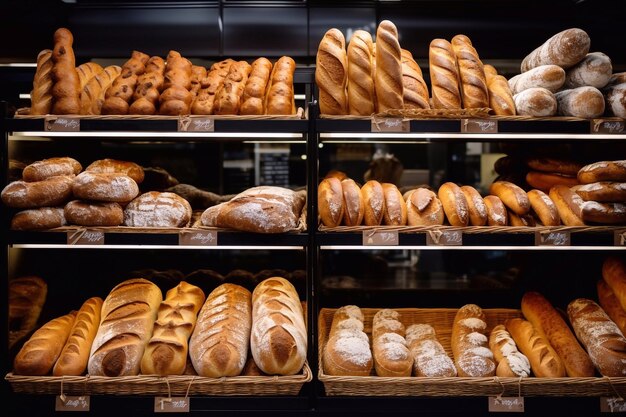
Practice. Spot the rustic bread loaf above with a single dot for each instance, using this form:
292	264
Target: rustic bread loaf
347	351
550	77
395	207
594	70
429	356
361	90
473	84
444	75
584	102
53	191
156	209
615	96
472	356
41	218
565	49
454	204
331	73
114	187
392	357
51	167
93	213
603	171
110	166
603	191
536	101
424	208
388	76
603	213
353	203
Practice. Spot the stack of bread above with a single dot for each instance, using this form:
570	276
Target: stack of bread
603	189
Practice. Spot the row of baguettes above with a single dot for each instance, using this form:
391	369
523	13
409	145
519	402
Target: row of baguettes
146	85
540	344
134	330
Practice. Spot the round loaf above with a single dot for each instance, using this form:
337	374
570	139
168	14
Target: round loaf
155	209
536	102
604	213
603	192
50	192
583	102
512	196
594	70
395	207
564	49
424	208
330	202
555	166
374	200
550	77
615	97
454	204
568	204
94	213
46	168
354	206
111	166
544	208
38	219
114	187
496	211
475	205
544	181
603	171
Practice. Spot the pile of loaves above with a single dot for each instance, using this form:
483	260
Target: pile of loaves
540	344
373	77
599	199
134	330
147	85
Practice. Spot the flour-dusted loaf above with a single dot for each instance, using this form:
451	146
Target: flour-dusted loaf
41	218
550	77
263	209
594	70
347	351
424	208
429	356
374	200
444	75
53	191
51	167
331	202
470	345
565	49
93	213
156	209
127	319
75	354
392	357
535	101
454	204
603	171
111	166
278	340
166	351
584	102
388	76
331	73
361	90
395	206
510	361
119	188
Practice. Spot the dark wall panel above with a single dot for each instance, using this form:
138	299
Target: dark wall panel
346	19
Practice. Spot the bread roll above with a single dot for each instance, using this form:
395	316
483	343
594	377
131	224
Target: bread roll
51	167
41	94
594	70
444	75
564	49
27	295
331	73
454	204
112	187
66	88
603	213
149	87
395	207
510	361
603	171
93	94
544	361
550	77
473	84
93	213
414	87
278	339
429	356
475	205
118	96
391	354
176	98
603	340
253	98
205	99
512	196
568	204
544	318
262	209
544	208
583	102
353	204
228	98
610	304
50	192
374	200
87	71
280	98
472	356
75	354
496	211
500	96
388	77
111	166
41	351
361	91
155	209
42	218
536	102
615	100
424	208
127	320
166	351
544	181
347	351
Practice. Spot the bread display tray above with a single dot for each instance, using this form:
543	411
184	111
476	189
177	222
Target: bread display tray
175	385
437	230
441	319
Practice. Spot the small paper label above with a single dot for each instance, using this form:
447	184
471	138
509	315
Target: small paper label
380	238
479	126
62	124
444	238
506	404
71	403
171	404
388	124
198	238
620	238
552	239
607	126
196	124
612	405
85	237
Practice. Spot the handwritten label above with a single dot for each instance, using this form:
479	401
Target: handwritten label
380	238
479	126
71	403
607	126
62	124
612	405
198	238
506	404
88	237
387	124
444	238
171	404
552	239
196	124
619	238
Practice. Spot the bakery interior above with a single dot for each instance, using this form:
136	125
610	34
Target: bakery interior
327	270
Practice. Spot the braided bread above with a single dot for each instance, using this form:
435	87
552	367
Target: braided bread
66	89
41	95
389	88
149	86
176	98
361	91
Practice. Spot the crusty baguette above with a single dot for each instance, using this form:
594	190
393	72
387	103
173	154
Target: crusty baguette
610	304
564	49
473	84
444	75
331	73
388	77
361	90
92	95
511	362
41	94
414	87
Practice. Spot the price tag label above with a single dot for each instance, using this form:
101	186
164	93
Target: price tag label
71	403
390	125
620	238
171	404
196	124
381	238
444	238
62	124
198	238
85	237
612	405
552	239
506	404
602	126
479	126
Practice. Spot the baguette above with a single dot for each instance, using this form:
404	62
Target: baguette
565	49
41	94
361	90
610	304
93	94
331	73
510	361
444	75
500	96
473	84
414	87
388	77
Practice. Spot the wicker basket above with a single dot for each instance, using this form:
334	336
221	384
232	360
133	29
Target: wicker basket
175	385
441	320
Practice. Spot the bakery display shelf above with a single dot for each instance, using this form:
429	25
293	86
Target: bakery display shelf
442	319
472	237
174	385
